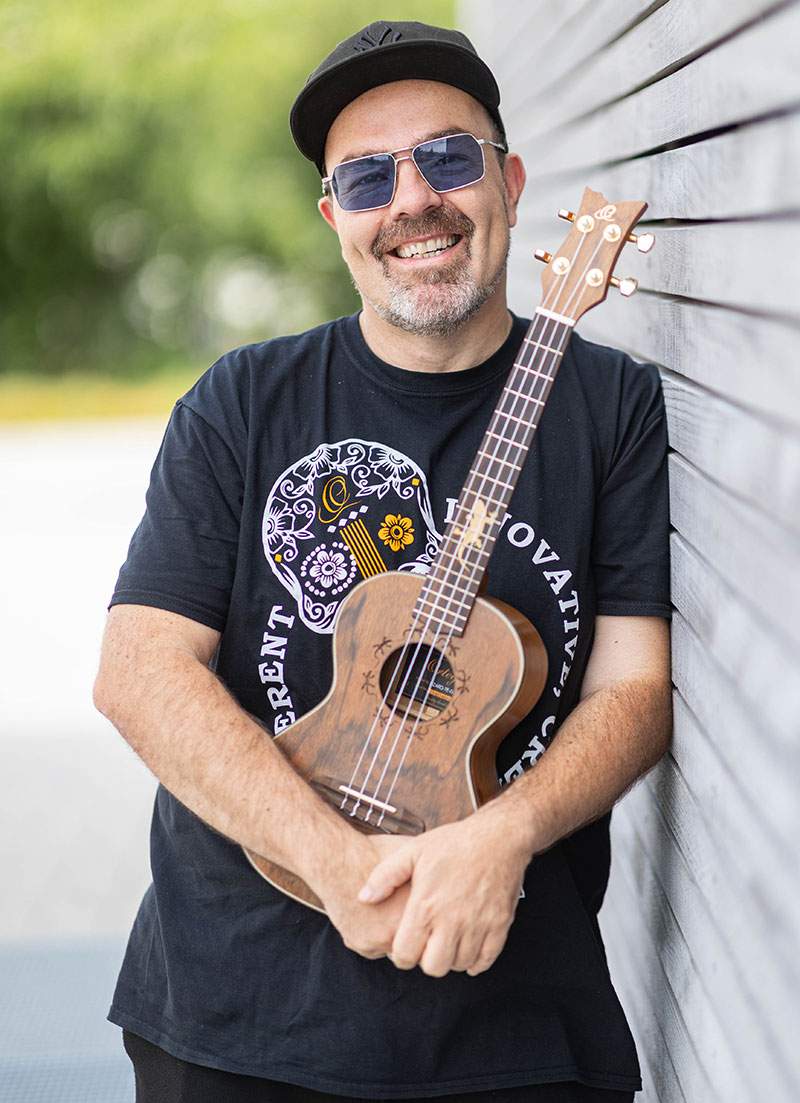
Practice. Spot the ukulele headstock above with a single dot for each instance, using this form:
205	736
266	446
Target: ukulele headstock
579	274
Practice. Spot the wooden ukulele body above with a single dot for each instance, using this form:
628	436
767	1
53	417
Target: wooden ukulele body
384	757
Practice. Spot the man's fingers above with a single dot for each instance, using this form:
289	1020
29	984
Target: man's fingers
387	876
489	952
469	948
409	943
439	955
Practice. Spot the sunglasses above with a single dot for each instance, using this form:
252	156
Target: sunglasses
445	164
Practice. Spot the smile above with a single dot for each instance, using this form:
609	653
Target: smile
430	248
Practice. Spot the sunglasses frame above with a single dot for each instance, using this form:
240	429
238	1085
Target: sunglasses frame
327	181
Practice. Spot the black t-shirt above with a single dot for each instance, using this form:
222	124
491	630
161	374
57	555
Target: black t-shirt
290	472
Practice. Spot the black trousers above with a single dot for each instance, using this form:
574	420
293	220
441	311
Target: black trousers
162	1078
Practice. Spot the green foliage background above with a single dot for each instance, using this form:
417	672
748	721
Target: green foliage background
152	204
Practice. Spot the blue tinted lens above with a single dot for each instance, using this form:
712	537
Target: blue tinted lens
451	162
365	183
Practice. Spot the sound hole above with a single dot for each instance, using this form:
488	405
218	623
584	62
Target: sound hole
420	683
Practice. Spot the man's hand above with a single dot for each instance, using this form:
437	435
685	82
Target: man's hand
461	883
366	929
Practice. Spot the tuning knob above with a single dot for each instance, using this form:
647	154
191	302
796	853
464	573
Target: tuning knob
625	286
543	256
643	242
568	216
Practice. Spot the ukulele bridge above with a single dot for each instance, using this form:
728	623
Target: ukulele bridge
367	809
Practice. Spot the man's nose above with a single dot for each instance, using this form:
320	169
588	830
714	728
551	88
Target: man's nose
413	195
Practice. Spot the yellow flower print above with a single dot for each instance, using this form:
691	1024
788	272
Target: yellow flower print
397	532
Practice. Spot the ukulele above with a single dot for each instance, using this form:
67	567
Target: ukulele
429	675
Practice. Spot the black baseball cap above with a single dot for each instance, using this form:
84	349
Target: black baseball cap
378	54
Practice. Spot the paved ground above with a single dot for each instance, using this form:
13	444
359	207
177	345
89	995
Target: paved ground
74	801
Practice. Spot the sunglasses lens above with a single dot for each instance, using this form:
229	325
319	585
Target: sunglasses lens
365	183
451	162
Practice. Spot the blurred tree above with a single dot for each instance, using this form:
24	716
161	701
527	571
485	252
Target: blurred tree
152	202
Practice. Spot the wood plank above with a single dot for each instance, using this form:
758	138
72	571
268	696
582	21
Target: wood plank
623	931
741	174
672	34
751	360
731	853
509	37
708	94
540	46
751	265
752	553
737	733
761	661
697	1036
652	931
654	1012
757	458
717	1002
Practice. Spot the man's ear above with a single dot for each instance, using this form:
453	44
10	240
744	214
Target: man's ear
514	177
327	211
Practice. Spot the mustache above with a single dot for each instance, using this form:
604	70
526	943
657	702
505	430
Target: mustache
445	220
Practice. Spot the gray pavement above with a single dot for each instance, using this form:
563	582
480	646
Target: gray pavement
74	801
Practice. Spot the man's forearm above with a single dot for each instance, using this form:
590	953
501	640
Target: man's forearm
613	737
214	757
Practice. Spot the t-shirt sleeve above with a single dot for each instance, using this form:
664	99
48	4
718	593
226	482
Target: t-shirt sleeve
630	547
183	554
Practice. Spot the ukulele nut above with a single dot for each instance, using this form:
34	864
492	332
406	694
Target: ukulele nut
561	266
612	232
585	224
594	277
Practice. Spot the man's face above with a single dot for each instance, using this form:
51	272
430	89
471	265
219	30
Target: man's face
429	261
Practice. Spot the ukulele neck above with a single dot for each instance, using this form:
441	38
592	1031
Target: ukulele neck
452	584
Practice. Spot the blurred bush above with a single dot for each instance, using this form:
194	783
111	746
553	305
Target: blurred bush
152	203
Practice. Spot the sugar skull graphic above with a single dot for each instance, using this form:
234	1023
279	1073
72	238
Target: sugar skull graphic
347	511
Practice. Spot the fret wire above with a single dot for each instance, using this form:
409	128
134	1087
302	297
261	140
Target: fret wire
495	459
480	477
522	420
440	590
471	552
533	371
508	432
433	603
539	345
505	436
522	394
495	482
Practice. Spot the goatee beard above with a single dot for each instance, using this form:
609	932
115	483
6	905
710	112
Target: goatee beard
439	302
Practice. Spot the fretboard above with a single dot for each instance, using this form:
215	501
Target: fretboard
452	584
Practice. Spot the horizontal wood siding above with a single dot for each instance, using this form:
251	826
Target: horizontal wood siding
695	107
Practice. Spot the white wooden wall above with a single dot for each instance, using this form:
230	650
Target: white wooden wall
694	105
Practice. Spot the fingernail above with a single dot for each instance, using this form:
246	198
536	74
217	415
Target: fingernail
366	894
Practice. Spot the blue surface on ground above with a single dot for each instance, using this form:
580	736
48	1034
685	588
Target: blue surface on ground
55	1043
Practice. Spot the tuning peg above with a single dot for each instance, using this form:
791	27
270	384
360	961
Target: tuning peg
543	256
625	286
643	242
568	216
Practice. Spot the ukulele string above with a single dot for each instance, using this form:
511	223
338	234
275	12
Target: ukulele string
436	645
510	443
470	488
464	568
361	790
538	341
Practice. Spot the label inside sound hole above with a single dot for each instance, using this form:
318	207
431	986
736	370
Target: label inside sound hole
421	679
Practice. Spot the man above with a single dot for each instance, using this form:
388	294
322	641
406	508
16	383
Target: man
463	962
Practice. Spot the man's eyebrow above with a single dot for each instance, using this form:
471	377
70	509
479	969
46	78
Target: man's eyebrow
353	155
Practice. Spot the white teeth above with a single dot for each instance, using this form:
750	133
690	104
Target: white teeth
430	247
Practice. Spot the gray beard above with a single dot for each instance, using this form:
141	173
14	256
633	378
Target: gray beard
438	303
436	306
